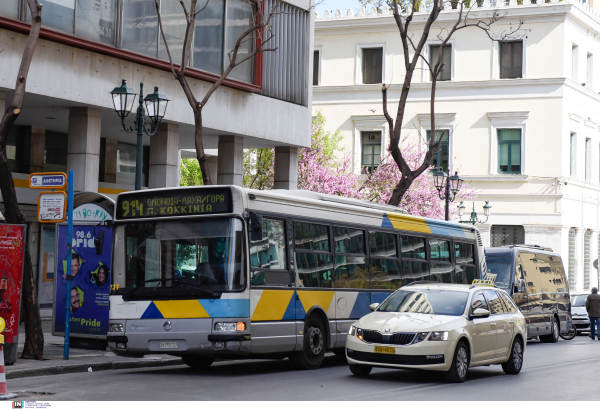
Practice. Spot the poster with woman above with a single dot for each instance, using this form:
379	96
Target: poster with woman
90	285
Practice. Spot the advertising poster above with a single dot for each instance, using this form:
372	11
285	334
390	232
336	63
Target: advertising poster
12	249
90	287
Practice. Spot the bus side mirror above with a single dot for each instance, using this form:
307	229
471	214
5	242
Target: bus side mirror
256	233
99	242
521	287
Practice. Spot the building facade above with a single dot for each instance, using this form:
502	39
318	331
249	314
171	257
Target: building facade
519	118
87	47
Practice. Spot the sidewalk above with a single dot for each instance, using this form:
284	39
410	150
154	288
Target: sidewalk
80	360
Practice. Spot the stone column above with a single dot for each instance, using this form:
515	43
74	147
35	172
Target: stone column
230	160
579	257
212	163
593	256
34	145
110	161
83	152
286	168
164	157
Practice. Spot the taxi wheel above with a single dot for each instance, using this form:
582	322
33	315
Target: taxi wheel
553	336
360	370
197	361
313	352
460	364
515	361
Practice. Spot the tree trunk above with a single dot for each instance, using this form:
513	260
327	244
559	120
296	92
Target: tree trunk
207	178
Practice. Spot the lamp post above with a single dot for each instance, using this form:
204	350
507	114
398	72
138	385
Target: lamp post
473	218
156	104
449	184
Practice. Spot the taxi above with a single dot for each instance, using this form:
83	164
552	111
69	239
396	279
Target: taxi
439	327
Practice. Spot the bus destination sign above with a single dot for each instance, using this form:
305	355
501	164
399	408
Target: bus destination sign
167	203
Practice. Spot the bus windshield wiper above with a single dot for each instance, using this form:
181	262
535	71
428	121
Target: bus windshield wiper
127	296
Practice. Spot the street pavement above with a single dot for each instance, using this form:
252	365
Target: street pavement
563	371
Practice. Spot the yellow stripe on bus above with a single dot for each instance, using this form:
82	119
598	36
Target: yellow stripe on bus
401	222
181	309
272	305
311	298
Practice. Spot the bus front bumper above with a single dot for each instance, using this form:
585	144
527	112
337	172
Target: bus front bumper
178	337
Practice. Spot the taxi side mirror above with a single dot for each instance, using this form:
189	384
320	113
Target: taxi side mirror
374	306
481	313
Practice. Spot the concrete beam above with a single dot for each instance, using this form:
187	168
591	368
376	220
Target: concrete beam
230	160
83	151
164	157
286	168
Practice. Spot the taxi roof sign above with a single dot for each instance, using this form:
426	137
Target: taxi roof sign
48	180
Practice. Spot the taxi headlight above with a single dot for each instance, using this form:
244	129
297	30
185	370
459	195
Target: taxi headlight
352	331
116	328
439	336
420	337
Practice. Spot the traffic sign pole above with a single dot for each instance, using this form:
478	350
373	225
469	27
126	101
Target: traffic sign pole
69	257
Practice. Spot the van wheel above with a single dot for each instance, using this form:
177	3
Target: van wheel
515	361
553	336
198	361
460	364
360	370
313	352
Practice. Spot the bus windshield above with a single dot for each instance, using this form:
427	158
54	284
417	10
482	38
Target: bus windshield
204	254
501	267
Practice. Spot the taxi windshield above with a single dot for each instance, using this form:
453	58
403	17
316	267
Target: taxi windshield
426	301
204	254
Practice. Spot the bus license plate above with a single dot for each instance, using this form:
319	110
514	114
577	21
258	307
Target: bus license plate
169	345
385	350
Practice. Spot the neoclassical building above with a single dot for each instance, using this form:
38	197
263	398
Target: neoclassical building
519	118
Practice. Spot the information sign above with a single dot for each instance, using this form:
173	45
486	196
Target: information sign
51	207
47	180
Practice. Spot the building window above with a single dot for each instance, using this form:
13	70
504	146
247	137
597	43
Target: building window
589	80
441	157
9	8
446	73
587	259
96	22
511	59
316	67
588	159
371	151
572	154
140	27
509	151
572	259
574	62
174	24
507	235
372	65
208	38
238	12
126	160
55	157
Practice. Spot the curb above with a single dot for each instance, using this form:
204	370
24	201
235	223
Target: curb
96	366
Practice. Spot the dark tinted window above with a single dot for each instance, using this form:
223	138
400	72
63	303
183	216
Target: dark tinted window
348	240
415	271
442	272
314	270
510	306
465	274
385	274
308	236
316	68
500	269
464	253
351	272
270	252
440	250
383	244
511	59
495	303
413	247
372	65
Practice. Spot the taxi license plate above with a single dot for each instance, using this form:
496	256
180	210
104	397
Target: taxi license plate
385	350
169	345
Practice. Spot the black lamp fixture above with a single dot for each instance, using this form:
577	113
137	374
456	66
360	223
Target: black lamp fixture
447	186
156	104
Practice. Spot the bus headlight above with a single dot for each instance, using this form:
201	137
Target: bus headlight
116	328
230	326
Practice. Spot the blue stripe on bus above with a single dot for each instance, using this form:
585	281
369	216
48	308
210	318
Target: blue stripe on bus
379	297
445	229
361	306
152	312
290	311
300	311
386	222
233	308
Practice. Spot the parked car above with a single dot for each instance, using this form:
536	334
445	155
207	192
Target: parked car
439	327
535	278
581	319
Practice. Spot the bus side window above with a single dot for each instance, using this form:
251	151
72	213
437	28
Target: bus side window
270	254
312	255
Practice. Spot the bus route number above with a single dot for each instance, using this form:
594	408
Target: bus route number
132	208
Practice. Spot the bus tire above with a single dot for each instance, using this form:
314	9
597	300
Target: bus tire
313	351
198	361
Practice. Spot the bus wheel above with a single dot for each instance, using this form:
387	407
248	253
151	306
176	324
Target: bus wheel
313	352
198	361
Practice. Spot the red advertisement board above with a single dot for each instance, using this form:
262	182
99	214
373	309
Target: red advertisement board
12	249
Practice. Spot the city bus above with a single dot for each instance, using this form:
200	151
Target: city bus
228	272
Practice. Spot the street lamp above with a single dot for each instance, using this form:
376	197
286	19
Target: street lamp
450	185
473	218
156	104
